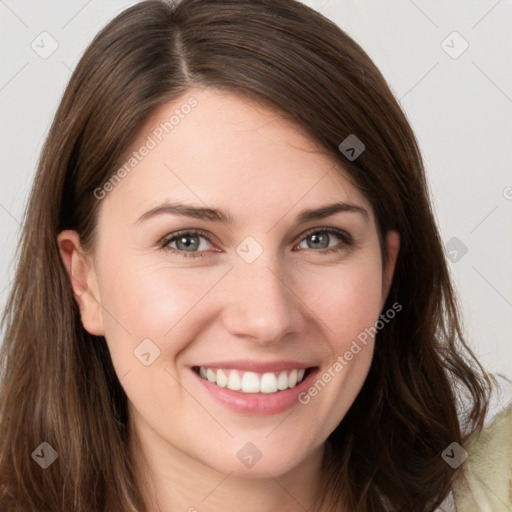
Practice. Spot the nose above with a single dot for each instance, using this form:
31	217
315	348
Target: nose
260	304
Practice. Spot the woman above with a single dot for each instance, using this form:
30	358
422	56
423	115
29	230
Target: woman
231	290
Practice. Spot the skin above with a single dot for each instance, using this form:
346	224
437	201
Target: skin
292	302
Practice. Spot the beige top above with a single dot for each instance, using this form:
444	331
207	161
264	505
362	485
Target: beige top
485	482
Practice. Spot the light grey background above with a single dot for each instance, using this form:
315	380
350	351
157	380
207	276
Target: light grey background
459	106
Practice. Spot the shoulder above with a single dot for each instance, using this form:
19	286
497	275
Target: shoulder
485	482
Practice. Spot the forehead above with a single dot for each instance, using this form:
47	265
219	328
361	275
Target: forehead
221	149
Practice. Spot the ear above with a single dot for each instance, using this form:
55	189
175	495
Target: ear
393	246
83	279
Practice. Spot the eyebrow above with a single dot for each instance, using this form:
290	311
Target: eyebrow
220	215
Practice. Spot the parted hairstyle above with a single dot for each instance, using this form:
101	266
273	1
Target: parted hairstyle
425	388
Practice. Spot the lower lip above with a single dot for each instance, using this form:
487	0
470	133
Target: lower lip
262	404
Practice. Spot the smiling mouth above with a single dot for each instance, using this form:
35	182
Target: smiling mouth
253	382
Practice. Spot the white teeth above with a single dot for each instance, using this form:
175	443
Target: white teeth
292	379
268	383
251	382
222	380
282	381
234	382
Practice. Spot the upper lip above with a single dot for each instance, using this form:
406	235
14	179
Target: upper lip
257	366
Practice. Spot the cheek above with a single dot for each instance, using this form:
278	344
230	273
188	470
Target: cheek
346	299
348	305
156	300
147	296
152	301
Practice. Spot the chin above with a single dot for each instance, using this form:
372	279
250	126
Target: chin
259	459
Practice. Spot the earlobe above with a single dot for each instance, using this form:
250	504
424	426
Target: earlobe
393	247
83	281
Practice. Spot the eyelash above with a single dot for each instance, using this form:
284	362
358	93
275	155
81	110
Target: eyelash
347	241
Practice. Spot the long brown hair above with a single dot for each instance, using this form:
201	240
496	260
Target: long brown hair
58	384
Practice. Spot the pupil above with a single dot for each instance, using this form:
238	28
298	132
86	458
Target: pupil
316	238
187	245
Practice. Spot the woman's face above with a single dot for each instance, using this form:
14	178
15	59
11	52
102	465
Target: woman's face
210	262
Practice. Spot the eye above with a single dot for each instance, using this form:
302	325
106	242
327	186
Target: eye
188	243
320	237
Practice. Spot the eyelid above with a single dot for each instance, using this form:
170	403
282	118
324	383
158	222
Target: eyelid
192	231
341	233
